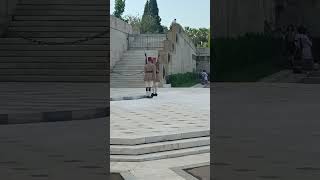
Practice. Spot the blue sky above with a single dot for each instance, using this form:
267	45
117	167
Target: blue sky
192	13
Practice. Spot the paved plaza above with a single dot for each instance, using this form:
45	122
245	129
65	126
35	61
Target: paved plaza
173	111
148	143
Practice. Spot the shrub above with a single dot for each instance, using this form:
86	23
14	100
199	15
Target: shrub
183	79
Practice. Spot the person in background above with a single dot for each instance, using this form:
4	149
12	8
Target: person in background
204	75
304	43
149	76
173	22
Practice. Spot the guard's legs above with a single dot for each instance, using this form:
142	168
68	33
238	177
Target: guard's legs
150	87
156	88
147	88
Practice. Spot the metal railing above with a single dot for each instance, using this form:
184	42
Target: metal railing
146	41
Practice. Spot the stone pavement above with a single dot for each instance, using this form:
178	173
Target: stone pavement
176	134
36	102
266	131
177	109
164	169
55	151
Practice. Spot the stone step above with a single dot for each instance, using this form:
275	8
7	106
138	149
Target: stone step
146	48
57	29
53	53
18	41
123	78
159	138
59	24
129	64
130	53
160	155
60	72
133	77
159	147
13	47
132	81
131	71
54	34
62	59
59	7
132	60
51	78
59	12
127	83
61	18
126	69
49	65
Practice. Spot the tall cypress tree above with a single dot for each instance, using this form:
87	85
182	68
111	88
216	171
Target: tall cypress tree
154	11
146	9
151	13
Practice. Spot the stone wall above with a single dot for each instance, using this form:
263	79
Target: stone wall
183	52
7	9
119	31
203	59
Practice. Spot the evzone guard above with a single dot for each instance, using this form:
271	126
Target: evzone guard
157	78
149	76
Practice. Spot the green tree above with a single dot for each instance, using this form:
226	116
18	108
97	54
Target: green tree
148	24
134	21
119	8
165	29
200	37
151	13
154	11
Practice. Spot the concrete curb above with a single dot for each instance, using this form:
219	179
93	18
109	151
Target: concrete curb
128	98
54	116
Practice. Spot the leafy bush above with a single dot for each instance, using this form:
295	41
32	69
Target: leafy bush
183	79
246	58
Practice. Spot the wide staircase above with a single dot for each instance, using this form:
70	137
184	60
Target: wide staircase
57	41
128	72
